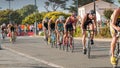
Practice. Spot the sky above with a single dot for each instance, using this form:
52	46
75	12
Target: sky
17	4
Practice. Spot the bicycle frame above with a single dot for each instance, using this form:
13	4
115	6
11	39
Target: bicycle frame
68	39
117	52
88	42
53	38
12	37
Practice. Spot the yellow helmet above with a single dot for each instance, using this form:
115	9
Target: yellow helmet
54	18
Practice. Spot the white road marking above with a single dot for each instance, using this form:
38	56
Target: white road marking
36	59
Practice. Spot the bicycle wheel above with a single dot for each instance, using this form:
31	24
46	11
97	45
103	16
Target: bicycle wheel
61	39
116	52
72	47
88	48
12	38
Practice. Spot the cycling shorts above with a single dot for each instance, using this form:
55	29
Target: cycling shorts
86	24
46	25
52	26
69	27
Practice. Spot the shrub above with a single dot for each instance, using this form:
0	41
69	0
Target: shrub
56	14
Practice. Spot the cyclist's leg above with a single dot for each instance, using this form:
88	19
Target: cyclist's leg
71	39
45	34
71	33
113	45
58	36
65	34
84	37
92	33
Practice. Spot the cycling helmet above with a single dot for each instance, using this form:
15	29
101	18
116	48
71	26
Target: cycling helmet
92	12
46	18
53	18
61	18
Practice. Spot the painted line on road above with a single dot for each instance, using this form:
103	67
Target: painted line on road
36	59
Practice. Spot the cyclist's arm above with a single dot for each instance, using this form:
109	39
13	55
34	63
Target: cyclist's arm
43	24
95	22
74	24
114	19
67	20
83	21
49	25
56	24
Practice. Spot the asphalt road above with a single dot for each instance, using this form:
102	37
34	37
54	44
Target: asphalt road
35	48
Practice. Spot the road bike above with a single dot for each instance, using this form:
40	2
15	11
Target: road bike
88	43
117	51
67	42
53	39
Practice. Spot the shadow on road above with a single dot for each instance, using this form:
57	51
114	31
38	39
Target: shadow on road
98	56
100	67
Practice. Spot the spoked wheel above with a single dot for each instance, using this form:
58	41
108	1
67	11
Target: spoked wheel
72	47
88	48
116	55
13	38
61	39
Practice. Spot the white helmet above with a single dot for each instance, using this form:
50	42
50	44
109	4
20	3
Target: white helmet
61	18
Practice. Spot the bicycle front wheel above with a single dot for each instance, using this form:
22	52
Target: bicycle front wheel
88	48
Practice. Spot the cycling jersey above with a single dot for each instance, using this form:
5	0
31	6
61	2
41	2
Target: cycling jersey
69	26
12	28
60	27
46	24
118	21
87	22
52	26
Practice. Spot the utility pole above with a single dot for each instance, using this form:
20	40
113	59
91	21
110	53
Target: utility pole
35	18
9	9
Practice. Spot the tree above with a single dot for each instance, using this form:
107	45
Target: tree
73	8
30	19
56	14
14	15
55	4
27	10
119	1
108	13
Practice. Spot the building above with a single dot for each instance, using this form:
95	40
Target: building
100	7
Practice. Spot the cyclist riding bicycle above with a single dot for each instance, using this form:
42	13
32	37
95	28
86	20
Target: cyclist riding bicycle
114	28
51	25
11	28
3	28
45	26
70	25
89	20
59	26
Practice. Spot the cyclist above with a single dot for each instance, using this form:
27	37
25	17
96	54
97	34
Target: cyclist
114	28
89	20
11	28
59	26
45	26
51	25
70	25
3	28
